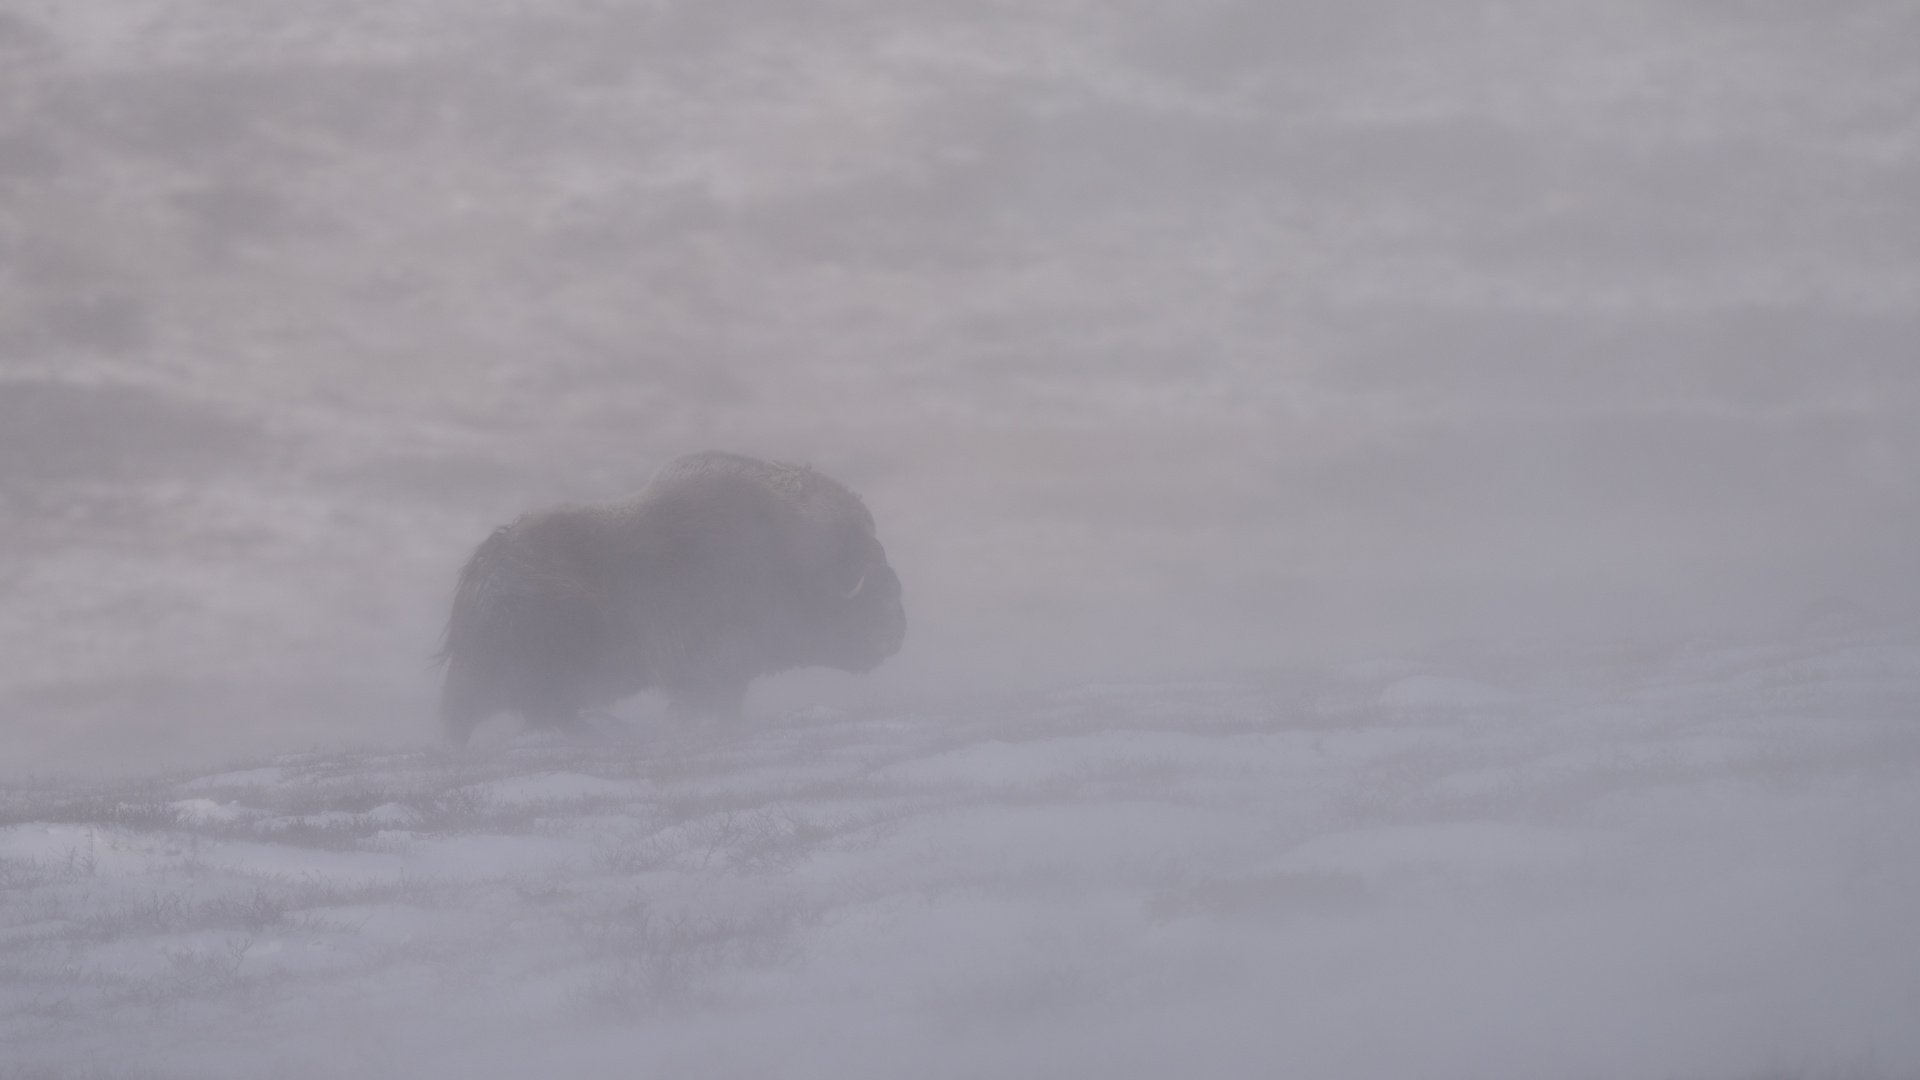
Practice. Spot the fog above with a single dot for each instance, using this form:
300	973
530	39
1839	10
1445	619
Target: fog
1168	344
1158	340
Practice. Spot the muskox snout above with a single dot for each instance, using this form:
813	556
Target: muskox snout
879	616
893	627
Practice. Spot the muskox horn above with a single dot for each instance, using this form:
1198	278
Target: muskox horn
855	591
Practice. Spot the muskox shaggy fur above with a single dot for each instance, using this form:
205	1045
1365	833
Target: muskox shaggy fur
721	569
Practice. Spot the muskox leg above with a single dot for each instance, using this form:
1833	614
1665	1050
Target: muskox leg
724	702
575	727
460	713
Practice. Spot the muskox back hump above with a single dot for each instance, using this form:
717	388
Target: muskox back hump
531	622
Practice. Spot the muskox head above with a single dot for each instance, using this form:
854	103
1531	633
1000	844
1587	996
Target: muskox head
722	569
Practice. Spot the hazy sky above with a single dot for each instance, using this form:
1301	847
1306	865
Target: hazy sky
1159	337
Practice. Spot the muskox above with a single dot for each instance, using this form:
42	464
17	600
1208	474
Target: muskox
721	569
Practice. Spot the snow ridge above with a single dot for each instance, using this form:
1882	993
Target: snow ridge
1699	866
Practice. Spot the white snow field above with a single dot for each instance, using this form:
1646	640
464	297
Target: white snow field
1702	863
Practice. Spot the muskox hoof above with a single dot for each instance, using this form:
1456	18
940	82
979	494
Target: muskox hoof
594	728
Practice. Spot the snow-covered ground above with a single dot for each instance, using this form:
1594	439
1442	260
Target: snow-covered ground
1702	863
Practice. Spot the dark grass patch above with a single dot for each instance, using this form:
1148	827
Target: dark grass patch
651	961
141	811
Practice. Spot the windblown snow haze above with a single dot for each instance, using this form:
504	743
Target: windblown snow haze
1405	514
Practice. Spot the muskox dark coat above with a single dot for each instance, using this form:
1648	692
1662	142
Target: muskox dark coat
721	569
